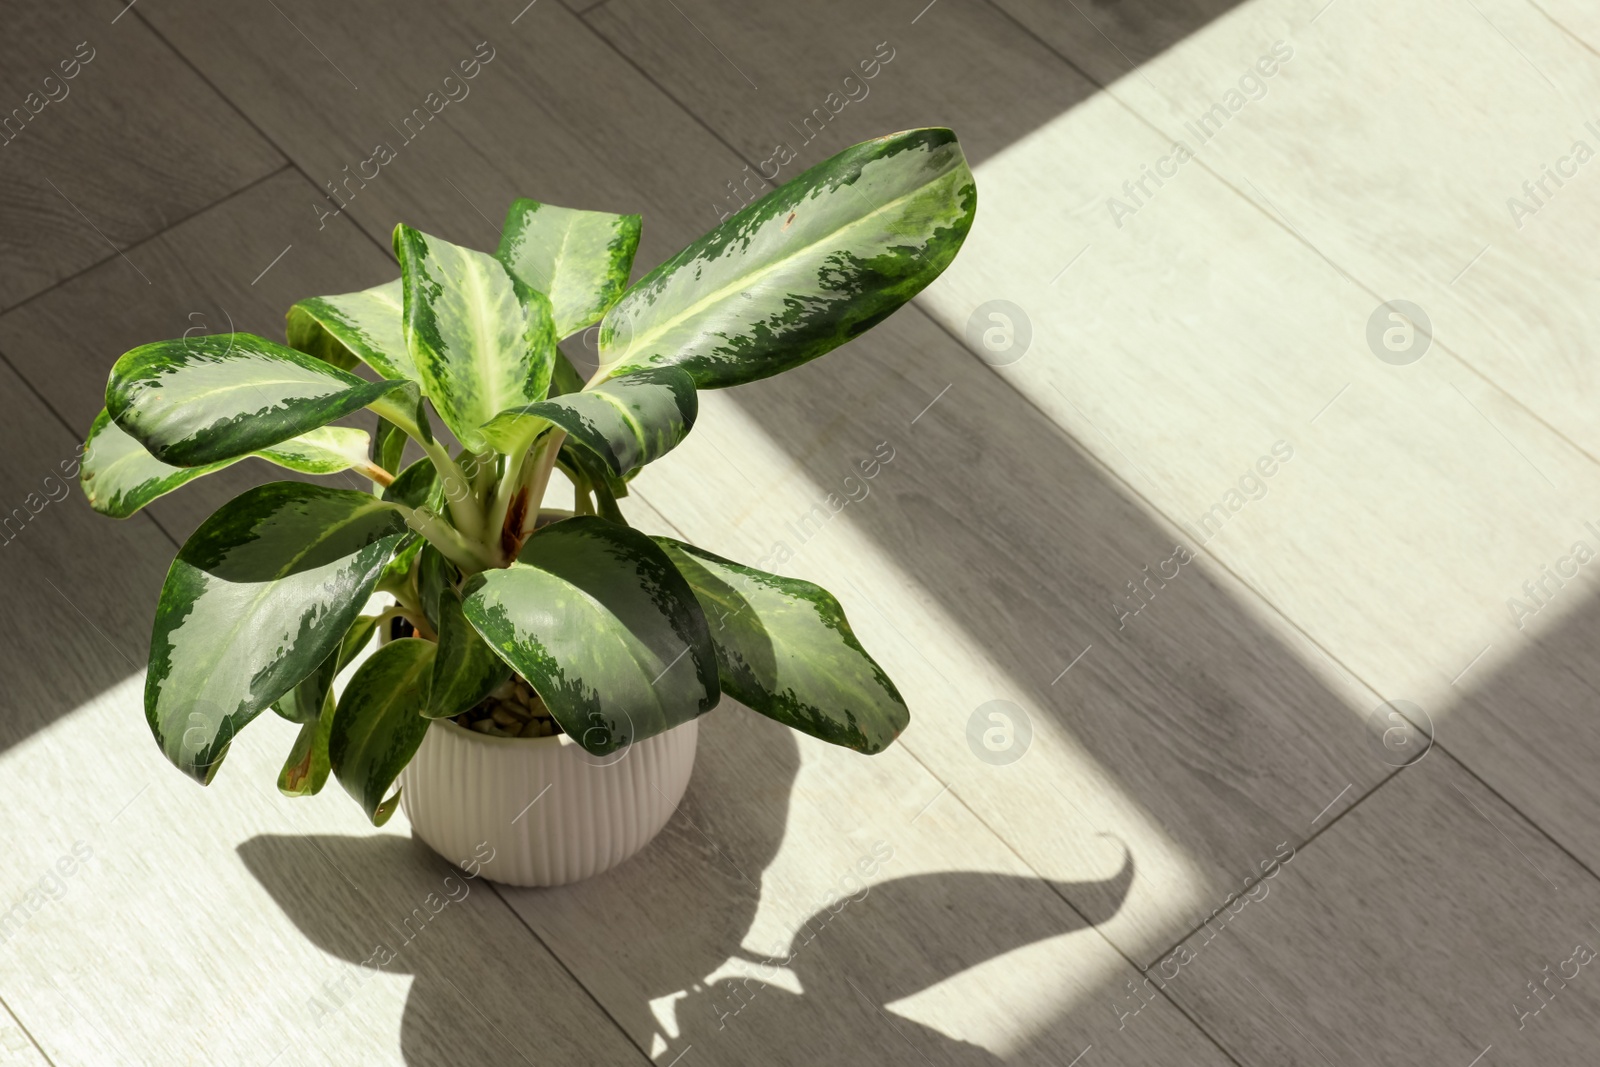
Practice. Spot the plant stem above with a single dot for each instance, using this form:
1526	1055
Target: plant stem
462	507
506	489
544	461
375	472
467	555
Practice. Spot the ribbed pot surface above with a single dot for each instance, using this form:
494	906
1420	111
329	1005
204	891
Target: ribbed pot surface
545	810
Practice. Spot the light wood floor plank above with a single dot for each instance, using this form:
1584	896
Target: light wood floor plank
97	161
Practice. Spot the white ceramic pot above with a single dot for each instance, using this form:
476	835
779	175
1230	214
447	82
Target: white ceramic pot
546	811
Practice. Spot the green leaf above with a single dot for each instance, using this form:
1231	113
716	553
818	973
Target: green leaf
435	575
257	599
378	725
198	400
304	702
119	477
482	341
589	473
388	446
365	326
466	669
785	649
306	770
579	259
564	378
627	421
595	618
417	485
825	257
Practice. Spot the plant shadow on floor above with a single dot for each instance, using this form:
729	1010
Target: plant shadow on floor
658	926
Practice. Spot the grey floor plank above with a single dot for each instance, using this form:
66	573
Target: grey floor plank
1432	924
82	587
550	113
92	163
1111	39
829	74
238	265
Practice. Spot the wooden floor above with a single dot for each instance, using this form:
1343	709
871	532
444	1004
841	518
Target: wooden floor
1213	849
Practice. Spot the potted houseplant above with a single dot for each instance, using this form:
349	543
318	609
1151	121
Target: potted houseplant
527	651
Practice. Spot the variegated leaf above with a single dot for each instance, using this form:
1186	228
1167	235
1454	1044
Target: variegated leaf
119	477
603	627
199	400
258	597
366	326
627	421
481	340
804	269
378	724
579	259
785	649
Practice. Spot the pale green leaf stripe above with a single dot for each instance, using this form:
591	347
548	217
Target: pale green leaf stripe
199	400
579	259
804	269
627	421
258	597
378	725
785	649
482	342
325	450
369	326
606	631
119	477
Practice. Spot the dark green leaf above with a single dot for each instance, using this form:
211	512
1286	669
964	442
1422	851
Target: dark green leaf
417	485
306	770
435	575
603	627
259	596
564	378
785	649
199	400
466	669
378	724
388	446
825	257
